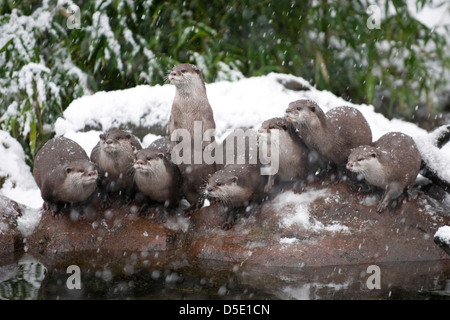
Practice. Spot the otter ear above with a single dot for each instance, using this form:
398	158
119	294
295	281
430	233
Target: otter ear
161	155
102	136
373	155
209	175
128	136
68	170
234	179
313	109
196	69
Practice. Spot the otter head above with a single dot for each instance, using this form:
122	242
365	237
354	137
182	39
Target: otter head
148	160
221	187
81	172
186	75
364	160
80	181
116	140
305	113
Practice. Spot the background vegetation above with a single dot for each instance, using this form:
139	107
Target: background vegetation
46	63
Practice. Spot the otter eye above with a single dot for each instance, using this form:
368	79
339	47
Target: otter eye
218	184
373	155
68	170
299	108
360	159
149	158
183	71
81	170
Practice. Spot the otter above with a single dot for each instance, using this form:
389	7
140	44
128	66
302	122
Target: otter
156	177
332	134
114	157
236	186
293	153
391	163
64	174
190	106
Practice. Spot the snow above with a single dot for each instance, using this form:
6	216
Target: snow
243	103
443	233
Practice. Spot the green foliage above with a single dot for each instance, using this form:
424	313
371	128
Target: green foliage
45	64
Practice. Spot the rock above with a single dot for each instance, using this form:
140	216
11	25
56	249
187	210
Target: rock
442	238
11	240
325	224
112	230
338	227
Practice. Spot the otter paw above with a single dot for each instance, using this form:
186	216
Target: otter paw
381	207
227	225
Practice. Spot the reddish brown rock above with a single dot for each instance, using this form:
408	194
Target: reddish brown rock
342	228
326	224
106	231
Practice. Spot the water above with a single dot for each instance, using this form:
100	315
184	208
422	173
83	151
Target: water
154	276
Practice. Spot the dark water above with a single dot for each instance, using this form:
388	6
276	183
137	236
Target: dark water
150	276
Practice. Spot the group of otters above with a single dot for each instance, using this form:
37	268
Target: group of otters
118	164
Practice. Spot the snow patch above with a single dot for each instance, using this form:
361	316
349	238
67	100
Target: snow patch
295	209
443	234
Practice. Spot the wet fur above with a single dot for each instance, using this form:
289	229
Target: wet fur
392	164
293	153
64	174
332	134
189	105
115	165
157	177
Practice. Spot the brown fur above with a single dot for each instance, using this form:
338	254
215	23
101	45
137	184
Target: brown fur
235	186
189	105
333	134
64	174
392	164
156	177
114	157
293	153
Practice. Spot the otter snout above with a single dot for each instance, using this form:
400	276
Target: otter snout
289	115
92	173
139	163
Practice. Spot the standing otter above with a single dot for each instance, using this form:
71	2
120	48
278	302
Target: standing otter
392	163
114	157
293	154
235	186
64	174
190	105
156	177
333	134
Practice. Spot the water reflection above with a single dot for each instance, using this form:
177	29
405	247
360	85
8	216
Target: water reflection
144	276
22	280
